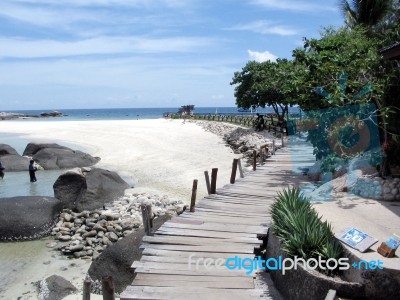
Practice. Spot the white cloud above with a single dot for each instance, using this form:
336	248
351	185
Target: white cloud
23	48
266	27
261	56
293	5
86	3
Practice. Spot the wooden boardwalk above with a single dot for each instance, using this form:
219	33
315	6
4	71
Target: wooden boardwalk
226	224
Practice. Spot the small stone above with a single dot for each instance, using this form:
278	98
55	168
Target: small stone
65	238
106	241
92	233
113	237
68	217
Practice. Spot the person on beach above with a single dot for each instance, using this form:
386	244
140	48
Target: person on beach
32	170
1	170
184	117
259	122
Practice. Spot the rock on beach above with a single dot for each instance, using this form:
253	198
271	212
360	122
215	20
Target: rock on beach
27	217
54	156
88	188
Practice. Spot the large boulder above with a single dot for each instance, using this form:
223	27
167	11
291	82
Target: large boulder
54	156
11	160
55	288
27	217
88	188
116	260
7	150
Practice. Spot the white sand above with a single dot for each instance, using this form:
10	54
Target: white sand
377	218
160	155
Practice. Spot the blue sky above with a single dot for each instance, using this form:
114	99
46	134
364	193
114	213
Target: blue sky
58	54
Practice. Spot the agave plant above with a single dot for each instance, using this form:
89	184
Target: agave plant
299	228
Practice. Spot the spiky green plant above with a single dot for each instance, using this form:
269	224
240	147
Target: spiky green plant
299	228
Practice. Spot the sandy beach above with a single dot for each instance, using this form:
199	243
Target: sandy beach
161	156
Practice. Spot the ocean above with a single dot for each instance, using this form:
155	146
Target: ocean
136	113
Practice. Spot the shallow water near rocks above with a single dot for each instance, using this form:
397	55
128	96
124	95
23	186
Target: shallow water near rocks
18	184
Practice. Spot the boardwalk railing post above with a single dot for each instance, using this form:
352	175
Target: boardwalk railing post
150	217
146	219
234	169
207	182
273	147
194	192
254	160
282	137
261	156
240	168
107	285
87	284
214	173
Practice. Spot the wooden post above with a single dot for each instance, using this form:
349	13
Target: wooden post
273	147
240	168
146	221
87	284
261	156
194	192
108	288
254	160
282	136
207	182
150	216
214	173
234	169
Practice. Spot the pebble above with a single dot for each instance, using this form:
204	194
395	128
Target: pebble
86	234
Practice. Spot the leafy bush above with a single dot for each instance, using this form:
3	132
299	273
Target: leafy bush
331	163
300	229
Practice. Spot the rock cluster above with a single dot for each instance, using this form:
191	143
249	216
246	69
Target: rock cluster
86	234
241	140
10	116
377	188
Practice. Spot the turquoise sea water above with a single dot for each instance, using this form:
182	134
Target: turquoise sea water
137	113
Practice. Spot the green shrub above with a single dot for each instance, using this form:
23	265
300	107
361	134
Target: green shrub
300	229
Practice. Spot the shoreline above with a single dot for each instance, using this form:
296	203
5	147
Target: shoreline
179	152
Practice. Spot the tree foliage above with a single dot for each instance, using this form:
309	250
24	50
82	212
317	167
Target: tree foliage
261	84
368	13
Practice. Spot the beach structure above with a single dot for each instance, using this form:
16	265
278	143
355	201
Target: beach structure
232	221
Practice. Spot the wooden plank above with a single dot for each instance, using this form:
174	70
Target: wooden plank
229	220
212	283
181	254
186	240
144	292
237	248
204	233
199	281
230	213
187	272
212	226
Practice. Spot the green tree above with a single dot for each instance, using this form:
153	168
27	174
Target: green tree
325	61
261	84
368	13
